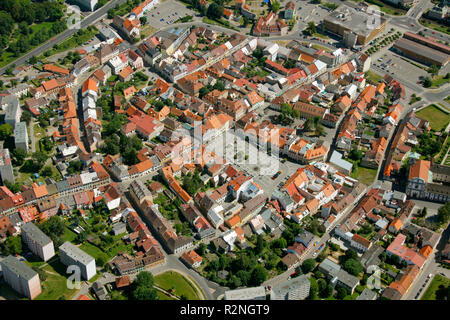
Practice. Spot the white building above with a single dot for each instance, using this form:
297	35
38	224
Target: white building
72	255
293	289
255	293
37	241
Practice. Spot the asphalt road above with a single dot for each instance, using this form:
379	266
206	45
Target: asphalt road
87	21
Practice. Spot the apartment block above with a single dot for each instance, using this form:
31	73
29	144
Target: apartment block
20	277
37	241
72	255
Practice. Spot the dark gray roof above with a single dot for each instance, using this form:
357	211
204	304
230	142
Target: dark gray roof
36	234
62	185
421	50
18	268
367	294
347	279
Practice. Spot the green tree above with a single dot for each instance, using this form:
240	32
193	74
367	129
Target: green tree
19	156
259	275
427	82
313	289
47	171
353	267
275	6
144	293
341	293
244	276
13	245
260	244
444	213
214	11
201	249
26	117
433	70
102	259
308	265
6	131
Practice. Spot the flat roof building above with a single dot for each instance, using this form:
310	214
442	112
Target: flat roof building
37	241
345	19
6	168
72	255
20	277
21	136
256	293
293	289
13	111
421	52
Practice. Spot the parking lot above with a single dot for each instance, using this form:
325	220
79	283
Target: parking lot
166	13
394	64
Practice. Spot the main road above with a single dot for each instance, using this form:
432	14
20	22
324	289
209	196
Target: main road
87	21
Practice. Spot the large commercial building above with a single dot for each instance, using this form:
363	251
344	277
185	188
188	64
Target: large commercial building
21	136
293	289
343	20
37	241
6	169
423	49
256	293
20	277
72	255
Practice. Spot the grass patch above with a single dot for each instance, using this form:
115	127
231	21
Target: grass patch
434	25
439	81
364	175
91	250
373	78
438	119
435	291
55	286
386	8
162	296
76	40
177	284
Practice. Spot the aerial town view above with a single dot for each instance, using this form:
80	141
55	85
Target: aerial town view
224	150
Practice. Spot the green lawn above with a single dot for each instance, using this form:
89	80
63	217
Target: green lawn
55	286
7	56
434	25
373	77
78	39
438	81
163	296
180	285
363	175
437	118
434	292
91	250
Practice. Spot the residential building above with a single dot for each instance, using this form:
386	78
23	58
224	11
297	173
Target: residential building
292	289
20	277
255	293
37	241
21	136
72	255
6	168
